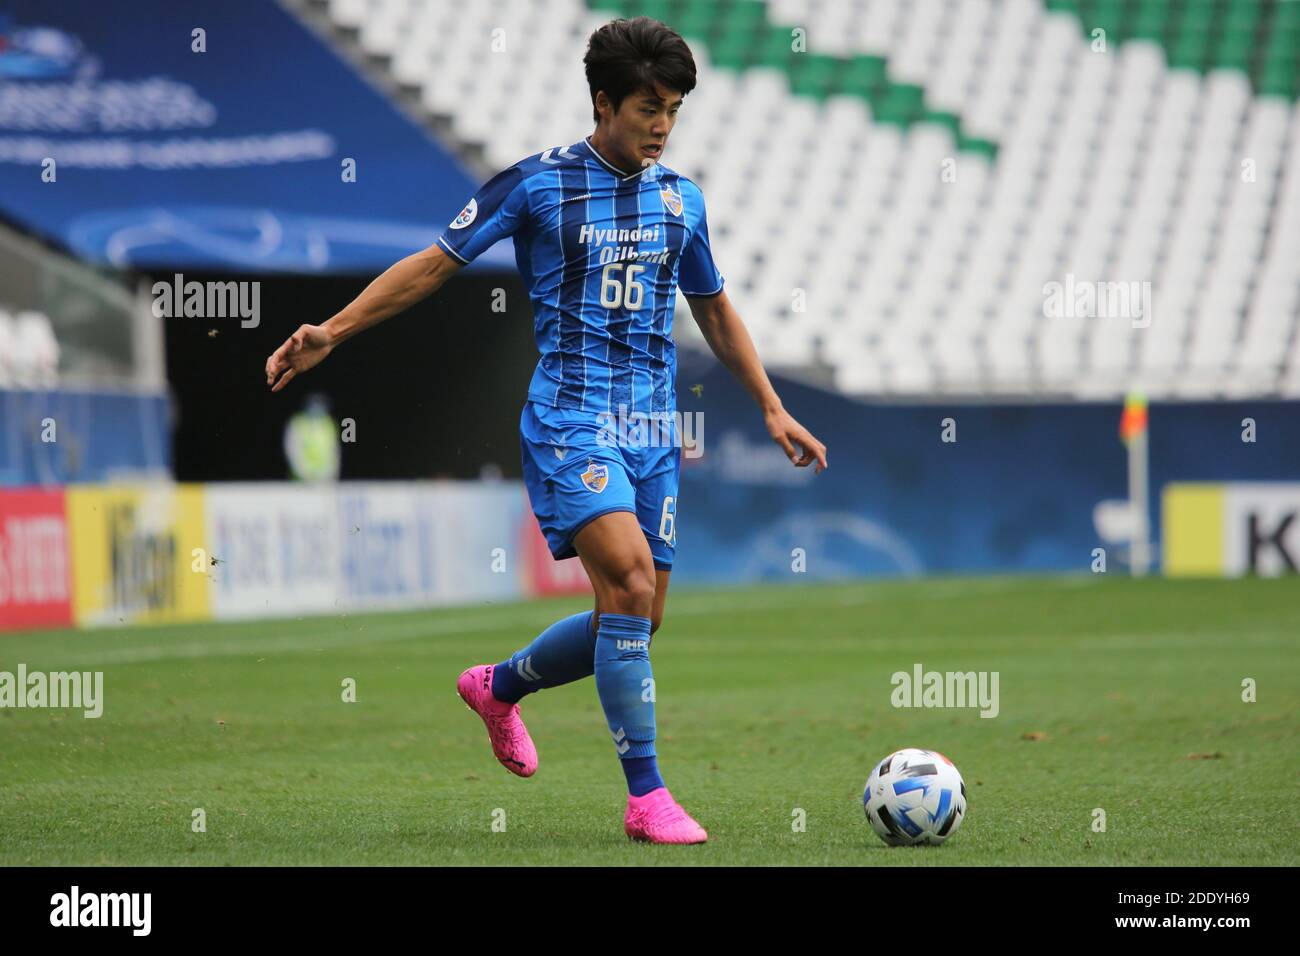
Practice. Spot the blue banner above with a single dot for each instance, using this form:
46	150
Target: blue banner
1013	490
59	436
222	136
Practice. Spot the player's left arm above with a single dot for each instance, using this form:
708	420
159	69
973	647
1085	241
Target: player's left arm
730	341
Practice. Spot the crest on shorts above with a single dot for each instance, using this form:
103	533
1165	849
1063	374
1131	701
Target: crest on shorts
595	477
672	200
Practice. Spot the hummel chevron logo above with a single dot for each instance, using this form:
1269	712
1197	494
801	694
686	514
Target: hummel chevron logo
561	151
525	669
621	743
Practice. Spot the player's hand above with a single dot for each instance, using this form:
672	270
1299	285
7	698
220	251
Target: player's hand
303	350
788	433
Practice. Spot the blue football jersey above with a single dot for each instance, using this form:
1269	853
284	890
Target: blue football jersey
602	253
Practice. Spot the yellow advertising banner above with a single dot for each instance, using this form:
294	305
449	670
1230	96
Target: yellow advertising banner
1192	520
134	557
1233	529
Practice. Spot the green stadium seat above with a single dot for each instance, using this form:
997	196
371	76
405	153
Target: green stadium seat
776	49
696	21
746	17
1152	22
863	75
1279	78
900	104
1234	50
939	118
1242	14
1287	16
1190	51
1110	15
980	147
635	8
1280	47
1195	18
734	51
664	10
814	74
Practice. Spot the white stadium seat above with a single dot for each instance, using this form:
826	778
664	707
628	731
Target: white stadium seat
1111	167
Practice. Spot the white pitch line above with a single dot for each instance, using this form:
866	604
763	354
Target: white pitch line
334	637
688	605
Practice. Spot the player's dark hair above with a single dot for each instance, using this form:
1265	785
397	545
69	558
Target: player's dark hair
625	56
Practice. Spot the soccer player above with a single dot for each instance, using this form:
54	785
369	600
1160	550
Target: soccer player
604	236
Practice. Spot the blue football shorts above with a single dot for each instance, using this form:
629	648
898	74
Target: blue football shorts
579	465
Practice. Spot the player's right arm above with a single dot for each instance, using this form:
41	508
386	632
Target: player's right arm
497	210
403	284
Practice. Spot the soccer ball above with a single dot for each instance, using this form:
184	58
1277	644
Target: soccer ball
915	796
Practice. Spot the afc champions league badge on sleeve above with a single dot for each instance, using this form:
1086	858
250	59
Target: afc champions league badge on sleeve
672	200
466	215
595	477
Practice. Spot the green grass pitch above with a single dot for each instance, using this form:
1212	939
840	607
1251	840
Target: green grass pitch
1114	694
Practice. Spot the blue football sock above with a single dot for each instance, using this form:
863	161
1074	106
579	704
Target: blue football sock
642	775
627	695
562	653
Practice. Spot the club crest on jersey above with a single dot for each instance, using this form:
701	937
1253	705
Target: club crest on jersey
672	200
595	477
466	215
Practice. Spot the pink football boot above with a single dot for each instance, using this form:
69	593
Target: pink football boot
658	818
509	737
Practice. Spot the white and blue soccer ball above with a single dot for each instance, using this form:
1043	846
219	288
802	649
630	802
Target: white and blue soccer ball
915	796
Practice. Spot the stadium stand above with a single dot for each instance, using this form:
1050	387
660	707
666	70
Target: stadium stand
29	350
63	323
922	170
